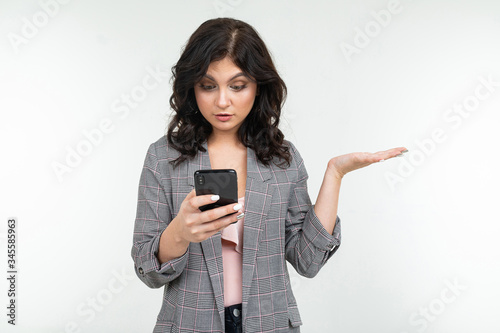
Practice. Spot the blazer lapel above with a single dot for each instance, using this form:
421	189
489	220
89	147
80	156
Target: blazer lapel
211	247
212	251
200	162
258	197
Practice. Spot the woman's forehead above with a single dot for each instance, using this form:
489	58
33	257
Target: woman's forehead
224	70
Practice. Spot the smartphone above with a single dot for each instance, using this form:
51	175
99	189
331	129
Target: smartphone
223	182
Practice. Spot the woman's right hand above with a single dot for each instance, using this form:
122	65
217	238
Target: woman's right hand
193	225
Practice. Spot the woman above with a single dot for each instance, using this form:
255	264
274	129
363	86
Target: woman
220	272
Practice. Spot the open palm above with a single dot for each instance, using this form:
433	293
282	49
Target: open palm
343	164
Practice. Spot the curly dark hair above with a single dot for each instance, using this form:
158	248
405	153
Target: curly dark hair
214	40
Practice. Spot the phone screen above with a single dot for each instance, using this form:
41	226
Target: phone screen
223	182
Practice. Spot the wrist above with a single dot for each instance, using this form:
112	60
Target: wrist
176	234
333	172
172	244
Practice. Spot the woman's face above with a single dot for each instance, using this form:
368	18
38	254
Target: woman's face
225	96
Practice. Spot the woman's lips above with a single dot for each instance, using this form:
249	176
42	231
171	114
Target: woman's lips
223	116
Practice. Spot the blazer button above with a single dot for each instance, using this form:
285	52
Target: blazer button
236	312
141	271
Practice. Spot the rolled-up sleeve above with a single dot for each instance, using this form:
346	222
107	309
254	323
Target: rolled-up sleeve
308	244
152	217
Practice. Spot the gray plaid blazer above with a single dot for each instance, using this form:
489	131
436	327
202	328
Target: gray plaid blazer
280	223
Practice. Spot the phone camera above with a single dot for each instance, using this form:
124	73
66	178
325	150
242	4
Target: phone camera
200	180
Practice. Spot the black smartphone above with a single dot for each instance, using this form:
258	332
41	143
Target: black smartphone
223	182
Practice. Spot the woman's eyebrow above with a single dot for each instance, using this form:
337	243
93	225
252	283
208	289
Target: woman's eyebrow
232	78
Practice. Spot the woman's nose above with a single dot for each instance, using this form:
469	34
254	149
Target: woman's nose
223	99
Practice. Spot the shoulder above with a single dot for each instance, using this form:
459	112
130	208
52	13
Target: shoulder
296	158
291	146
160	157
295	171
161	149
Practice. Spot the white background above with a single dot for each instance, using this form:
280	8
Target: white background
404	243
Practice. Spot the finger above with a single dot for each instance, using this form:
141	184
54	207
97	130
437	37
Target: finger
365	159
390	153
188	198
221	223
200	200
217	213
402	150
190	195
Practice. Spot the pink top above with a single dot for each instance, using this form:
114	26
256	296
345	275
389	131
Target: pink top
232	250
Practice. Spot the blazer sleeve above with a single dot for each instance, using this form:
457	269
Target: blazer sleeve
308	245
153	216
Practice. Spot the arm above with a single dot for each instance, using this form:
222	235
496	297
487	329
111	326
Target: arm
328	196
153	216
161	243
328	200
309	244
313	234
192	225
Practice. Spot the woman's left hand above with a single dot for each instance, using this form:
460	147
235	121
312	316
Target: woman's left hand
343	164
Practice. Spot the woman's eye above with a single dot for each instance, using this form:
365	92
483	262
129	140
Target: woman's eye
238	88
207	87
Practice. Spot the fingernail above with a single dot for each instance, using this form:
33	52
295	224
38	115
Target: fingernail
381	160
405	151
215	197
237	207
239	217
399	155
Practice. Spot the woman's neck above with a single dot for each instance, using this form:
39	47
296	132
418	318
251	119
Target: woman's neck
224	141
